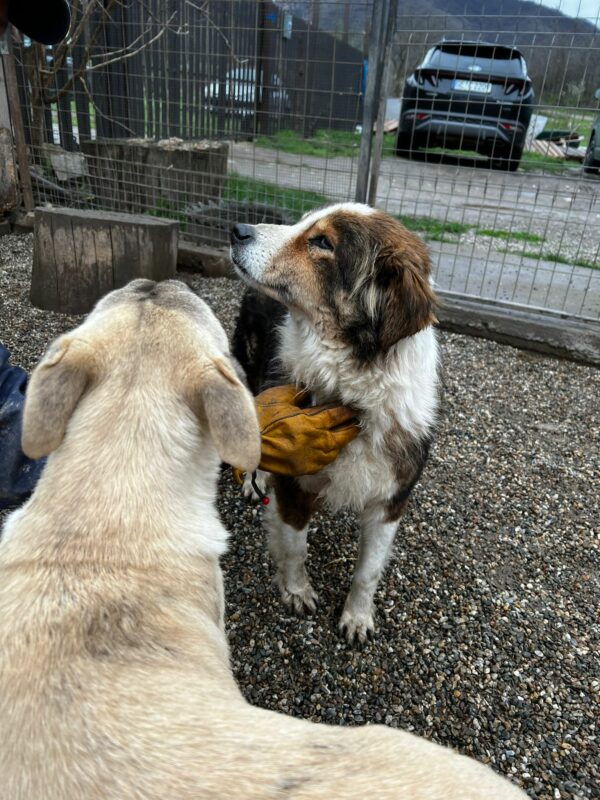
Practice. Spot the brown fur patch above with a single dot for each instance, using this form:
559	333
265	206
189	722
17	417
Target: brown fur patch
295	505
400	268
378	288
408	457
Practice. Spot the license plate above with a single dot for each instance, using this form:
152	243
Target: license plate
472	86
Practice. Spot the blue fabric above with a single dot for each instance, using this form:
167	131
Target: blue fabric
18	474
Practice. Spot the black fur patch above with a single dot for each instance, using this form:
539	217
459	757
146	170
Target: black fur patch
255	341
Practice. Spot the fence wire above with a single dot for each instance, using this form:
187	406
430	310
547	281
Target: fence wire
216	111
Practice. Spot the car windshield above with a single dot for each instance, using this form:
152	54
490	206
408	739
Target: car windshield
485	59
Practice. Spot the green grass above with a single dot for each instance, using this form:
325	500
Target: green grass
520	236
298	201
249	190
164	208
543	255
536	161
324	143
435	230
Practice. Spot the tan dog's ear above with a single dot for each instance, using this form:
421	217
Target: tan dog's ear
54	389
228	407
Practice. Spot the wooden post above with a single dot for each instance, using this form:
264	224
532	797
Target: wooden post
79	256
9	192
14	106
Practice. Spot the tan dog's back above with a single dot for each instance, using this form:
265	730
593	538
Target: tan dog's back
114	668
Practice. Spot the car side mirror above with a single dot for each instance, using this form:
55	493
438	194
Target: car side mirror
597	95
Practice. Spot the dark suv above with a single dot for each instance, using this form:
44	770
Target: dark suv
468	96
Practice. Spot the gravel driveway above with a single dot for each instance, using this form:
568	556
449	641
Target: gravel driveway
488	614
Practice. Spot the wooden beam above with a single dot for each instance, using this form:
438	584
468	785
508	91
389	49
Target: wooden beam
9	188
18	129
79	256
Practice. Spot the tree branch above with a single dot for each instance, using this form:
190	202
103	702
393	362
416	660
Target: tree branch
101	113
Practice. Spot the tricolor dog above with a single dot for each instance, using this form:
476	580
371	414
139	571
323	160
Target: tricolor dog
115	681
358	330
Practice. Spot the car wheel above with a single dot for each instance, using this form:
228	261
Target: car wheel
589	165
514	158
506	158
406	145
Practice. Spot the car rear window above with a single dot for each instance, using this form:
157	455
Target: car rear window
490	60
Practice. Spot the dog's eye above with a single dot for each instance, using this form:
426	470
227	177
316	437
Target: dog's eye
322	242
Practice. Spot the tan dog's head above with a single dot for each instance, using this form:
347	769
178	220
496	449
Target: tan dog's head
158	336
356	273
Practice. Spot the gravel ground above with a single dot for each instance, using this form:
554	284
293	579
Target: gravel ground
488	613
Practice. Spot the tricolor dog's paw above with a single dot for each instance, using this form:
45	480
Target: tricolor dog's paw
357	627
299	599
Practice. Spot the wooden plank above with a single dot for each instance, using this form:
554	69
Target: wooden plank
65	264
82	101
44	289
174	72
116	40
158	249
134	67
65	120
79	256
86	277
10	77
104	259
9	194
99	81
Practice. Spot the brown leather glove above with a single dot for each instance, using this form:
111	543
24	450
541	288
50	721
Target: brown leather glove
300	441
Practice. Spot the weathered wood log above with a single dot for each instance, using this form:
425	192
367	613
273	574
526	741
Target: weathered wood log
139	176
79	256
9	195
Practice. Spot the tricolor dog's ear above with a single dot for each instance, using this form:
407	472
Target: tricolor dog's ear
55	387
220	397
409	302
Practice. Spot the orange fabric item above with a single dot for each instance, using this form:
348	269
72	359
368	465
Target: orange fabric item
300	440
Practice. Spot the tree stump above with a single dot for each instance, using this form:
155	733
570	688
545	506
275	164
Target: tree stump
79	256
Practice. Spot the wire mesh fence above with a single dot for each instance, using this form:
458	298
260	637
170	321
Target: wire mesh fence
225	110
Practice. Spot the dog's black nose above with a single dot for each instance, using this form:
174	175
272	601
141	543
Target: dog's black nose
242	234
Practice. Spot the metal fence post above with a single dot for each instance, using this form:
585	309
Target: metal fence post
379	32
377	150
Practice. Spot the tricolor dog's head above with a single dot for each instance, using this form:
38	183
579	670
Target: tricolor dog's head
356	273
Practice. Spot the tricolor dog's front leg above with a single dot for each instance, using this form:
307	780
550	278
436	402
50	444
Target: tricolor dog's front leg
376	537
286	519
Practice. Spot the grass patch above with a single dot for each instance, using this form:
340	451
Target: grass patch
519	236
327	143
323	143
536	161
435	229
249	190
542	255
164	208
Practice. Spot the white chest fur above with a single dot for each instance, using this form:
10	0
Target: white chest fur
400	389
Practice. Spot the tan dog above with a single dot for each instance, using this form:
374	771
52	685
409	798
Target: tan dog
114	667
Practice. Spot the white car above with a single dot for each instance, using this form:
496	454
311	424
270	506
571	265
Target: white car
239	92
